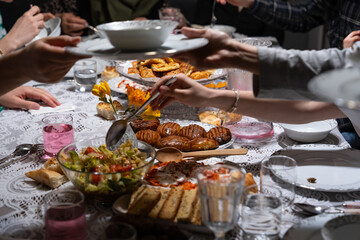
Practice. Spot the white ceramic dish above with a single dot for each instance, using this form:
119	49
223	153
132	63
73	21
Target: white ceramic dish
101	64
229	30
335	169
119	85
309	228
122	68
137	35
102	48
343	227
52	29
339	86
309	132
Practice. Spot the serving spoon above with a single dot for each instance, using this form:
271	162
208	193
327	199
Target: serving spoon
308	209
118	128
170	154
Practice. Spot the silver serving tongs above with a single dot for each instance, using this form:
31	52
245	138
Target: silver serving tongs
118	128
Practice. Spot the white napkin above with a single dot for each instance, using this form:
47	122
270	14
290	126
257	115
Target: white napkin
62	108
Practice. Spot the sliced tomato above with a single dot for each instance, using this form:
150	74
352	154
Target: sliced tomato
89	150
114	167
124	169
95	179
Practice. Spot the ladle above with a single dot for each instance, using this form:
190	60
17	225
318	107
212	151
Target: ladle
169	154
118	128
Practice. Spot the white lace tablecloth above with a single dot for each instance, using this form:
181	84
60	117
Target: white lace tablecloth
21	198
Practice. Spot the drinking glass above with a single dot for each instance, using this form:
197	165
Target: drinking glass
278	170
220	189
57	133
173	14
119	231
85	75
65	215
261	212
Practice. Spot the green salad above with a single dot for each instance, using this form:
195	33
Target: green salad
101	171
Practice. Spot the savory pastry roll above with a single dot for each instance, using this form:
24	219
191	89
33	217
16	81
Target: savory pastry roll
173	141
193	131
168	129
220	134
106	111
50	178
197	144
145	202
146	72
187	205
149	136
142	124
171	205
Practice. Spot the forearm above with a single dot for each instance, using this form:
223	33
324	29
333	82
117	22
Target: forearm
7	45
293	17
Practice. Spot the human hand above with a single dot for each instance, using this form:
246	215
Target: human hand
26	28
17	98
72	25
351	39
46	60
238	3
184	90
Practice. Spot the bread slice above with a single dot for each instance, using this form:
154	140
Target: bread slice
156	210
137	194
106	111
53	165
50	178
210	117
145	202
196	213
171	205
186	207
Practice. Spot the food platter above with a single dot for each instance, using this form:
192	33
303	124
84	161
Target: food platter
102	48
123	66
119	85
339	86
334	170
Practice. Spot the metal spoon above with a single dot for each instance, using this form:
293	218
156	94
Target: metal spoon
308	209
21	150
96	31
213	18
118	128
170	154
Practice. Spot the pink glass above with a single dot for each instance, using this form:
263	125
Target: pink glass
65	215
57	132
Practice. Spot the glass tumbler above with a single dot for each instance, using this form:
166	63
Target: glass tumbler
85	75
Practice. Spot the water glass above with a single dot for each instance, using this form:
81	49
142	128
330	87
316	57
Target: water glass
119	231
173	14
85	75
278	170
261	212
220	188
65	215
57	133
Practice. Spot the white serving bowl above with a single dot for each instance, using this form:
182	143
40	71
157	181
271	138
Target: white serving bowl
137	35
52	29
309	132
229	30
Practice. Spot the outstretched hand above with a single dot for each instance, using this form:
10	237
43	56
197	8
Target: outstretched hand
18	98
351	39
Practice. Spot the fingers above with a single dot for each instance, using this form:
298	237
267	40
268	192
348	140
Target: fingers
192	32
45	96
48	16
21	103
33	10
63	41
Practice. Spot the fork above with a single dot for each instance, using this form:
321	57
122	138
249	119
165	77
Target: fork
213	18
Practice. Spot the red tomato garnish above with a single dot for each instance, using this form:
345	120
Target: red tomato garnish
89	150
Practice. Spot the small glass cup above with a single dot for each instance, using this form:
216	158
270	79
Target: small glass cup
85	75
173	14
65	215
278	170
119	231
57	133
261	212
220	189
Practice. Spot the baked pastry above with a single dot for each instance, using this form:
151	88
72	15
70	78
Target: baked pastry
144	203
149	136
193	131
53	165
50	178
171	205
220	134
168	129
197	144
109	73
187	205
106	111
173	141
210	117
142	124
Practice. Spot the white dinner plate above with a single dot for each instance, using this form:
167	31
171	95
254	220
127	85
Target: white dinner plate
309	228
343	227
119	85
339	86
122	67
102	48
335	170
101	64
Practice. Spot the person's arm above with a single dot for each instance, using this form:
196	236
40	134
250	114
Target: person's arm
297	17
24	30
20	98
188	91
45	60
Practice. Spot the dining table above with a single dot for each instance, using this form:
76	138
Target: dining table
21	198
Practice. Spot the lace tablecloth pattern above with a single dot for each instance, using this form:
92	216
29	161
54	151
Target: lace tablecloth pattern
21	213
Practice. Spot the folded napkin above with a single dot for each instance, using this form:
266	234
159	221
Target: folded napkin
46	109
